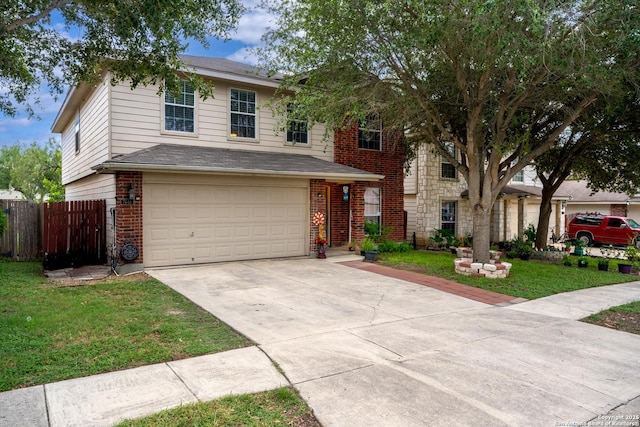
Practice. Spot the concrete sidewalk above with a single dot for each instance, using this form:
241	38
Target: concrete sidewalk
103	400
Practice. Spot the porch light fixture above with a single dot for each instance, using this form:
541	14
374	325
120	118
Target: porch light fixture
132	192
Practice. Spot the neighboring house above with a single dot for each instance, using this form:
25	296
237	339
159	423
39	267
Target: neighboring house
11	195
190	181
436	198
580	199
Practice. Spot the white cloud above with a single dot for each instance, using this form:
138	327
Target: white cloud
252	25
244	55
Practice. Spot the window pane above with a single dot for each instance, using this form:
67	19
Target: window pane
179	112
243	110
370	134
448	216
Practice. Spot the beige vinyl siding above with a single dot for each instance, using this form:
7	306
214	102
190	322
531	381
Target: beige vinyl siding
411	209
96	187
94	136
137	124
411	179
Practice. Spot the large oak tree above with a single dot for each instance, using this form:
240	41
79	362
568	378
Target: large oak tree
500	79
137	40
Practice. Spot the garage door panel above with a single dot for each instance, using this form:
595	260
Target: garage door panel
197	223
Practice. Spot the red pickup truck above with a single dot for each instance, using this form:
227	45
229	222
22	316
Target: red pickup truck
604	229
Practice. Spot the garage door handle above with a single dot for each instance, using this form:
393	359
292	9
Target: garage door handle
192	234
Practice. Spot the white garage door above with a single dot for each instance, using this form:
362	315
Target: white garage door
191	222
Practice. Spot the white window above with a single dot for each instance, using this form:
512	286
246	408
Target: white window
448	216
370	134
76	130
372	211
447	169
518	177
297	132
179	110
243	113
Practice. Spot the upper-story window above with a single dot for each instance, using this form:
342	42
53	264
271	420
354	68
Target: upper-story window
370	134
243	113
518	177
297	131
447	170
76	131
179	110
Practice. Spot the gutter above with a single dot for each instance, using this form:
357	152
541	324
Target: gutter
112	167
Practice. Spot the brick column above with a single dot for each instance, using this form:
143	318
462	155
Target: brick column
129	213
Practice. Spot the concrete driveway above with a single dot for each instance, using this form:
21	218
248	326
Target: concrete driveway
368	350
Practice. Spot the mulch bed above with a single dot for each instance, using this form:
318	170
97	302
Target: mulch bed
627	322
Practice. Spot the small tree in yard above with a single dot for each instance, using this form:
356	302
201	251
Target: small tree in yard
3	223
33	170
489	85
602	148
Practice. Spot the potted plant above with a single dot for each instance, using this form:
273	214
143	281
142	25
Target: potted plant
603	264
566	260
370	249
524	251
633	256
580	245
583	262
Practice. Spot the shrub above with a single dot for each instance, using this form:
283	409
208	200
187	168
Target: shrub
368	245
391	246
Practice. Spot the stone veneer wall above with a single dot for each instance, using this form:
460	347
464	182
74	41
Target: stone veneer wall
432	191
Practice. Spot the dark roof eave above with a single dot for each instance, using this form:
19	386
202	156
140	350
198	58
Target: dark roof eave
112	167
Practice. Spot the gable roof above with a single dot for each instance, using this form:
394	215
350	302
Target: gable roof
577	191
193	159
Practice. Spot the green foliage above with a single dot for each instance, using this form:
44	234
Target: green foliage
503	81
372	228
368	245
33	170
444	238
530	233
52	333
391	246
3	222
136	40
566	260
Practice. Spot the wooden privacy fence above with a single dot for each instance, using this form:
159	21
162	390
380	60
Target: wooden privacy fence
74	234
21	239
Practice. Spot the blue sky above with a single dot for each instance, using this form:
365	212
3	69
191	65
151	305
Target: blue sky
25	130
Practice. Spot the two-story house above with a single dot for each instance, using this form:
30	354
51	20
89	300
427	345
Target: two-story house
191	181
435	198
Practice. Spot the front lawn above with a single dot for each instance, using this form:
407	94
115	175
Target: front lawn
623	318
527	279
51	332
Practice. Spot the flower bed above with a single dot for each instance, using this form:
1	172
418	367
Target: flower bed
493	270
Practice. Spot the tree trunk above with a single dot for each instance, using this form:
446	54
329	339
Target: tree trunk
544	217
481	232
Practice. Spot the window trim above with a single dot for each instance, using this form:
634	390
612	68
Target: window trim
163	112
379	213
76	131
518	177
444	161
366	128
455	215
256	116
288	130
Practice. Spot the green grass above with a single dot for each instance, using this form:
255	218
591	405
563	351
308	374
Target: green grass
633	307
278	407
527	279
51	333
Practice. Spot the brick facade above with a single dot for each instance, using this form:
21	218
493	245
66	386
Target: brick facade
388	162
619	210
128	216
